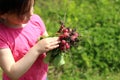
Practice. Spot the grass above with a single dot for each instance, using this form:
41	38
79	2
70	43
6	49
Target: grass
0	74
83	75
91	76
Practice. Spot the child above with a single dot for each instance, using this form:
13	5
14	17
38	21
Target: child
21	54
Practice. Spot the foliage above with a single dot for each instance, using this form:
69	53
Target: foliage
98	22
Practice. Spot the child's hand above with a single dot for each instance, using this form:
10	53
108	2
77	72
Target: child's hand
47	44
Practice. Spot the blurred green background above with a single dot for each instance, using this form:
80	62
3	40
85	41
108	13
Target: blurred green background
97	21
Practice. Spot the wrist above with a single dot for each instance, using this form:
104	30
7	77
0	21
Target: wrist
36	50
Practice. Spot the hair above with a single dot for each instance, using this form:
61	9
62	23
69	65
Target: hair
18	7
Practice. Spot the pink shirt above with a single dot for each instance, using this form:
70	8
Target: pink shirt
20	40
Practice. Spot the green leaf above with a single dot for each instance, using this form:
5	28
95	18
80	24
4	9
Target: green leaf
59	60
47	58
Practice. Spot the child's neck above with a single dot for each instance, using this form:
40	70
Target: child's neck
13	25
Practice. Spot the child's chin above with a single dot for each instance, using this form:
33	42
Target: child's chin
26	21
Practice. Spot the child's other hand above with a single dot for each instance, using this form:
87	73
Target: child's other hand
47	44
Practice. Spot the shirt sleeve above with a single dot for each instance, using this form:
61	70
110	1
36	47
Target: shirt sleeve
38	20
3	43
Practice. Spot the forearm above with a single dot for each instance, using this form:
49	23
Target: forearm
21	66
16	69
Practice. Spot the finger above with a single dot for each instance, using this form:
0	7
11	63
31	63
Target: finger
53	47
54	43
54	39
48	48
